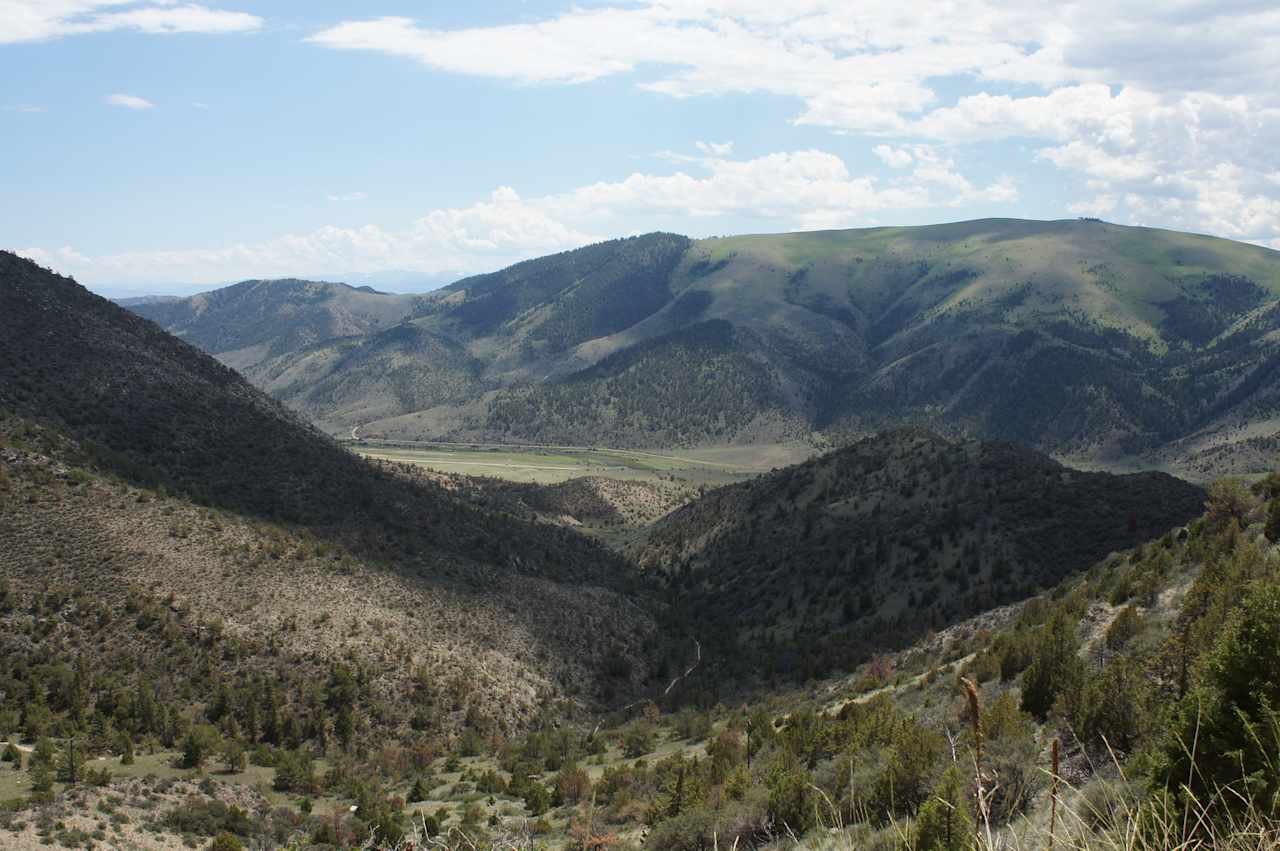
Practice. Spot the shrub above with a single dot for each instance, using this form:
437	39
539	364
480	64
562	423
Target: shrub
234	757
1229	499
944	822
198	745
638	741
208	817
791	803
225	842
295	772
1232	719
1127	624
1055	668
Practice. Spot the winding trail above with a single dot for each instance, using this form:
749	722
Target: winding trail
696	662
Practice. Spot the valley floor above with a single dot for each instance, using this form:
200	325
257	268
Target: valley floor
553	464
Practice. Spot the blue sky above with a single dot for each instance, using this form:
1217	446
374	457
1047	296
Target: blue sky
165	146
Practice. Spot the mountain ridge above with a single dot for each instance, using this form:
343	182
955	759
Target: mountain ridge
1101	344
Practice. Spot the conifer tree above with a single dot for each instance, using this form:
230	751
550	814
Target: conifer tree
71	762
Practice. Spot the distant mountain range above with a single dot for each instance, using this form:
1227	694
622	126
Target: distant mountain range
1101	344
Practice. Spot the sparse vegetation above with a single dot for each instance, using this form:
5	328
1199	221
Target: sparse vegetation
1015	654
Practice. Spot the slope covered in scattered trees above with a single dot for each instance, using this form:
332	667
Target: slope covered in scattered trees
137	468
817	566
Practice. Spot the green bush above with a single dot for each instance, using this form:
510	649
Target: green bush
198	745
208	817
226	842
638	740
1056	666
1227	733
295	772
945	822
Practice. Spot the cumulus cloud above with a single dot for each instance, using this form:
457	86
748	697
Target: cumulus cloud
42	20
784	190
348	196
128	101
1147	99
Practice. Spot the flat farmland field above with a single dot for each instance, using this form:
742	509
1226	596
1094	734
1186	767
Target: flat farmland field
554	464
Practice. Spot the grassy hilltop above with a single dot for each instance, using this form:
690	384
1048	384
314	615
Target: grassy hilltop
1102	344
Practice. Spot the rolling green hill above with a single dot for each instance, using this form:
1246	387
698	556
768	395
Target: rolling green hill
1102	344
816	566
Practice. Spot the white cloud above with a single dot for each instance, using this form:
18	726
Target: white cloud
348	196
893	157
1144	99
785	190
41	20
128	101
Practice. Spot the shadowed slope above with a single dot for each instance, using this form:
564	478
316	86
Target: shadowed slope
815	566
141	463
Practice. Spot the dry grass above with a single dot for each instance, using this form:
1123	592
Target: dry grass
512	644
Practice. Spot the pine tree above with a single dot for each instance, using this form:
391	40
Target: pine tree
1233	716
944	822
145	710
272	727
71	762
344	726
41	782
40	766
1056	666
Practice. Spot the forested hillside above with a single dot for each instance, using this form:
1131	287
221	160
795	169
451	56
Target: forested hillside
816	567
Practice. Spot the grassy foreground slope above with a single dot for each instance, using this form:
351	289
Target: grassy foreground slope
1096	342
